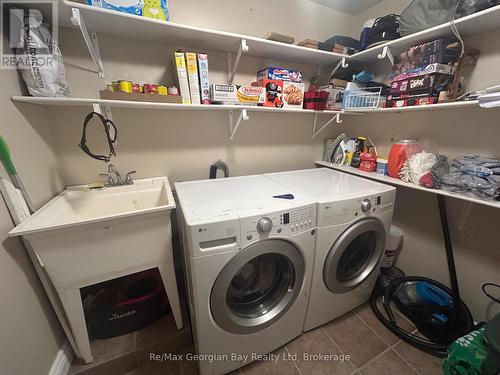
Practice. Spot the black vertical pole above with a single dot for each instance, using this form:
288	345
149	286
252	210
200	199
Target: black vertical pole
449	252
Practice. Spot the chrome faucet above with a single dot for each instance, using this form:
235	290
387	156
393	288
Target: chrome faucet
117	181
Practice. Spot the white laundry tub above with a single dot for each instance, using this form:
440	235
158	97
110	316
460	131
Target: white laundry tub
83	237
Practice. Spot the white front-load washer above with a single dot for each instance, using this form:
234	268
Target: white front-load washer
249	252
354	217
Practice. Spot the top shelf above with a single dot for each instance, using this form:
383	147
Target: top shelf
475	23
126	25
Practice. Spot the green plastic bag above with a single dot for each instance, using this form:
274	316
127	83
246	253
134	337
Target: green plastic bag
467	355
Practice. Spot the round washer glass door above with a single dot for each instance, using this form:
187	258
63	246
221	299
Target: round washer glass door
257	286
354	255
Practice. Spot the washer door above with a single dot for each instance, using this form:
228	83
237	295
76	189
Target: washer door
257	286
354	255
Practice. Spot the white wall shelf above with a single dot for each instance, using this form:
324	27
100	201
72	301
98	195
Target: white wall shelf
88	102
124	25
234	120
476	23
395	181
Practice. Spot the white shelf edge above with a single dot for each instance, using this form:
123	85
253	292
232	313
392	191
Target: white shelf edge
429	107
395	181
79	102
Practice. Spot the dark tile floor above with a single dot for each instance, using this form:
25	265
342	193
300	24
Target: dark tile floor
373	350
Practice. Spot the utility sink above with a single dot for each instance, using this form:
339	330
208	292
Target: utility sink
87	236
80	205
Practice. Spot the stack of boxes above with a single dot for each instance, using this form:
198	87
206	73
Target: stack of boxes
191	75
422	73
283	87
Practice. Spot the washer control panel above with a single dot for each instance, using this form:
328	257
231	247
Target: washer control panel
281	223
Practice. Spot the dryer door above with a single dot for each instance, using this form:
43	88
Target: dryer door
257	286
354	255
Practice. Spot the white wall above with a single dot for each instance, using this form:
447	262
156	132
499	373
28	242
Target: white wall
31	334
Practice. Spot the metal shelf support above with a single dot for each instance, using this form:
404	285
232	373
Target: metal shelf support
243	116
231	68
341	64
90	40
386	52
335	118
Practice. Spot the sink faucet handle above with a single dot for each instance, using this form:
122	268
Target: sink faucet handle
128	179
109	177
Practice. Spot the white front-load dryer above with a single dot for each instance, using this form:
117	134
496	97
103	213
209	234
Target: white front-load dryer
249	252
354	217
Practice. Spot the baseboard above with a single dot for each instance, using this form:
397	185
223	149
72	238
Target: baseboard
63	360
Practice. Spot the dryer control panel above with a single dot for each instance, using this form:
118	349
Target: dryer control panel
281	223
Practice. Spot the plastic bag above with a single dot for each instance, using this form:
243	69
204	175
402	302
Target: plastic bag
474	175
48	78
424	14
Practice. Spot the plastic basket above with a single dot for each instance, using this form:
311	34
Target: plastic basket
362	99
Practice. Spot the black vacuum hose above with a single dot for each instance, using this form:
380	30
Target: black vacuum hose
439	350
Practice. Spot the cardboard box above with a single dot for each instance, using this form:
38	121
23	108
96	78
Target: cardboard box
308	43
232	94
335	97
181	77
282	74
136	7
293	94
193	79
423	70
204	78
430	82
273	92
139	97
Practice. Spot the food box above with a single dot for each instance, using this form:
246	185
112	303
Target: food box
204	78
156	9
282	74
273	92
425	69
410	100
139	97
430	82
233	94
293	94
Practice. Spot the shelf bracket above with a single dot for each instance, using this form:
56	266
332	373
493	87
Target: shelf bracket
341	64
463	215
231	68
386	52
90	40
335	118
243	116
107	114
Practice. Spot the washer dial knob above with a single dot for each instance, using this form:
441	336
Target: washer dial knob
366	205
264	225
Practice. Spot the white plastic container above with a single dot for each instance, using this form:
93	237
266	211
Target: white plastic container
392	247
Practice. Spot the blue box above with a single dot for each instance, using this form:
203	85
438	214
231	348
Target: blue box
154	9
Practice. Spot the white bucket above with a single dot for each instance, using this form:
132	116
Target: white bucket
392	247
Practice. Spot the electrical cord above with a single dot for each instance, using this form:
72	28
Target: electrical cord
484	286
107	124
